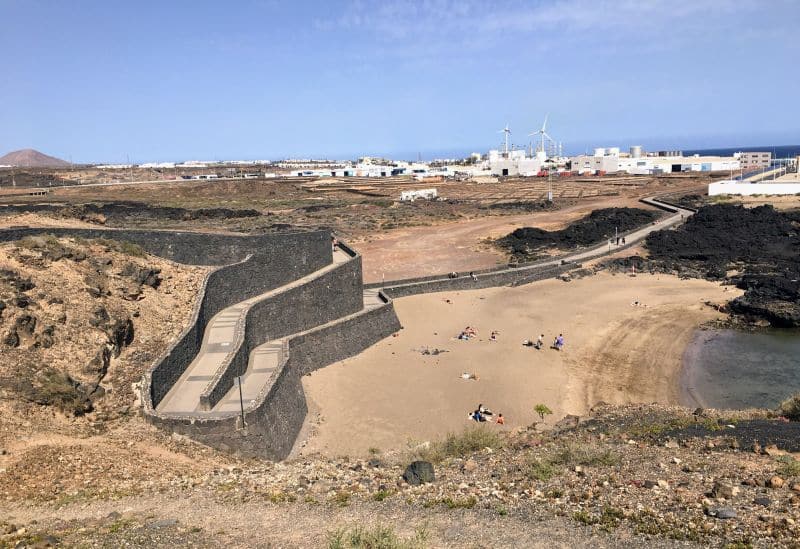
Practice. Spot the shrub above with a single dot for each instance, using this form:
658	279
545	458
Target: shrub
122	246
789	467
791	407
541	469
377	536
591	456
460	445
54	388
542	410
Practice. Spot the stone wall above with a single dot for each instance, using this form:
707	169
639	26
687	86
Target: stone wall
331	295
507	277
276	418
193	248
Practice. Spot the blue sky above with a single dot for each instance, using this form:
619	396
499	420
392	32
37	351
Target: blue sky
176	80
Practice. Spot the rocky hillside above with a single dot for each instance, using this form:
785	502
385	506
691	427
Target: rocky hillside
628	476
80	320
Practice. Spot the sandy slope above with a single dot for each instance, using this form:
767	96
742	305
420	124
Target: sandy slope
392	394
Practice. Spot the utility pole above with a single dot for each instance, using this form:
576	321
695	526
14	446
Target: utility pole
241	400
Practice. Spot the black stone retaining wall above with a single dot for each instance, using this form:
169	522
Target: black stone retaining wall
194	248
274	422
499	278
328	344
331	295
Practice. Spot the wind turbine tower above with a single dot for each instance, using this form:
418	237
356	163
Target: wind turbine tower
507	132
545	139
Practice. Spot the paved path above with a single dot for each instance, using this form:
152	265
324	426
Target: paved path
631	238
219	340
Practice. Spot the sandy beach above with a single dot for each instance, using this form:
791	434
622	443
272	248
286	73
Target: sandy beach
393	394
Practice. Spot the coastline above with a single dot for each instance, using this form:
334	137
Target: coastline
687	386
617	352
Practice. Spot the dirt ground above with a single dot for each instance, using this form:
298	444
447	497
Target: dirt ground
396	240
392	394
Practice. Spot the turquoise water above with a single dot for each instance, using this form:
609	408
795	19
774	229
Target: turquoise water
734	370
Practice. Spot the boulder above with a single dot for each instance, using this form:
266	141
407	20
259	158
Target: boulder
26	324
120	334
99	316
12	338
723	490
722	512
776	482
419	472
568	422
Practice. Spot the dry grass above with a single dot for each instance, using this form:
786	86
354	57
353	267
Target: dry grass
460	445
791	407
377	536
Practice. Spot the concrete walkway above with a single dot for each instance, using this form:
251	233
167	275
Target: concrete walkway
600	250
219	342
264	360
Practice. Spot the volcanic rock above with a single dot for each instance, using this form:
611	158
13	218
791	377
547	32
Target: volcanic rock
419	472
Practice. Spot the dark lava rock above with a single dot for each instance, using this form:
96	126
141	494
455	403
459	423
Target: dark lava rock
763	501
13	279
419	472
12	338
595	228
764	432
147	276
2	307
98	366
120	334
99	317
761	243
22	301
26	324
721	512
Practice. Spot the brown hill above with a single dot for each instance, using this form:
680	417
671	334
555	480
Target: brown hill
29	158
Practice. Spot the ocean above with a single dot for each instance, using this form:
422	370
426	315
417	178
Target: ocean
778	151
736	370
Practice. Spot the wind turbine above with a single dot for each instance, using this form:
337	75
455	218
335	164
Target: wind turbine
543	133
507	132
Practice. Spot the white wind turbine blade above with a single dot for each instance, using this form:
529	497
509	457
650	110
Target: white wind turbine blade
544	124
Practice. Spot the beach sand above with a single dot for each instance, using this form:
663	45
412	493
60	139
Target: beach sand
392	394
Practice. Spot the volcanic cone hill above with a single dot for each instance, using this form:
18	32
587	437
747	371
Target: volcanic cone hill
760	245
30	158
525	242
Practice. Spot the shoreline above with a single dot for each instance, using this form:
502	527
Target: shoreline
394	394
688	395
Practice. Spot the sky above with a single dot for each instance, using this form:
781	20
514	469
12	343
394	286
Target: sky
107	81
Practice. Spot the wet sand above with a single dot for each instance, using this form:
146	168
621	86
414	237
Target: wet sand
392	395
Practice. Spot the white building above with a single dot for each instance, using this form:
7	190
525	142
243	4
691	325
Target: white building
424	194
610	160
515	163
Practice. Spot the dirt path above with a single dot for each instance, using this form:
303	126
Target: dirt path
461	246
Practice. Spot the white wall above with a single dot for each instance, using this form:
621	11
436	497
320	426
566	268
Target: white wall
725	187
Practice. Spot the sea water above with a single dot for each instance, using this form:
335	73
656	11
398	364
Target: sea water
734	370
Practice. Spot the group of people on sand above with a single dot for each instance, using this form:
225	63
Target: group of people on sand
558	342
468	333
481	414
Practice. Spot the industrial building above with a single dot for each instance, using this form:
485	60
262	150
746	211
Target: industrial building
635	162
755	160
